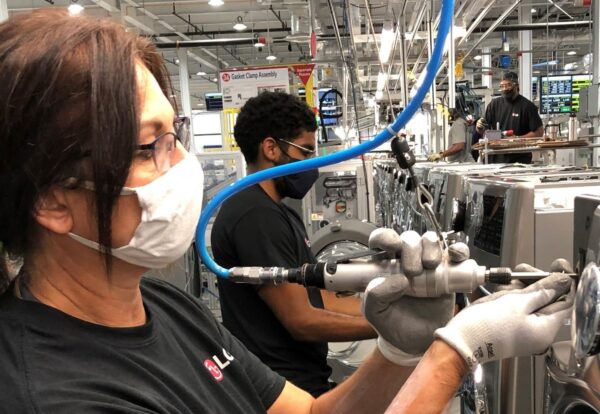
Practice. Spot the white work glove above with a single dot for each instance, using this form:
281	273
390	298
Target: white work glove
406	324
481	124
511	323
436	156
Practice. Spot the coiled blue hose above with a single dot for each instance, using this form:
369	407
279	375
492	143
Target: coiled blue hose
381	138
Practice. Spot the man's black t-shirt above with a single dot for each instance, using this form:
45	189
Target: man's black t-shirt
253	230
520	115
180	361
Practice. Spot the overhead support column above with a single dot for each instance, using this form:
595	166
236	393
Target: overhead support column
451	68
486	64
430	43
596	73
3	11
184	86
404	72
525	57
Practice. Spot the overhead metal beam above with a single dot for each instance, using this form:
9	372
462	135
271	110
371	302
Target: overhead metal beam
543	26
111	8
224	32
181	44
497	23
190	23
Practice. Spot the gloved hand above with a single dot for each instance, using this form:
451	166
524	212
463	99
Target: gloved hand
511	323
405	324
481	124
436	156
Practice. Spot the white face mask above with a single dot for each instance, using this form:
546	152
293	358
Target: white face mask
171	207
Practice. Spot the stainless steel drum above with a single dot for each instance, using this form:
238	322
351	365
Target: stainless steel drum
331	242
572	382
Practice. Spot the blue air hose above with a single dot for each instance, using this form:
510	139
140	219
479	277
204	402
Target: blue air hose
295	167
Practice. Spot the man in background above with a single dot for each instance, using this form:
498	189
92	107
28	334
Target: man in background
286	326
511	112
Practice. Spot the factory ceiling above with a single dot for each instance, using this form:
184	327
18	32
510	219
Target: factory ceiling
562	33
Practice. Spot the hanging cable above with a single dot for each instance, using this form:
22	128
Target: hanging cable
296	167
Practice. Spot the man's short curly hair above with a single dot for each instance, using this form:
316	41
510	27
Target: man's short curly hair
277	115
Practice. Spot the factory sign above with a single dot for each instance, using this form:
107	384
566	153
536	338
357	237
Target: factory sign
238	86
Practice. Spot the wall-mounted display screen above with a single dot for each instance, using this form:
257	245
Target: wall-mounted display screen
214	101
535	81
560	93
329	107
579	82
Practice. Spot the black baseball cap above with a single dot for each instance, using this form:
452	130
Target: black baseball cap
511	76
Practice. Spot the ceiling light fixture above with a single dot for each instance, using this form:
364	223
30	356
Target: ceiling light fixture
239	25
571	53
201	73
459	32
387	41
271	57
74	8
259	41
478	57
534	10
381	80
216	3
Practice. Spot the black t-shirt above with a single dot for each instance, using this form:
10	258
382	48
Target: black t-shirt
180	361
253	230
521	116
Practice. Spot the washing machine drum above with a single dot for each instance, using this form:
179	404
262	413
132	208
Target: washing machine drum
332	242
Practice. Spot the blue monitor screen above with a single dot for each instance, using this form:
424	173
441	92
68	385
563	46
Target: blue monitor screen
329	107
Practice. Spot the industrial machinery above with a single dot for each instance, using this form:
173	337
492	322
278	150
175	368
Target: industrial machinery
537	208
438	186
395	195
342	192
448	186
572	374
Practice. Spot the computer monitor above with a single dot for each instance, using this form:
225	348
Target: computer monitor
329	107
214	101
579	82
560	93
556	94
535	90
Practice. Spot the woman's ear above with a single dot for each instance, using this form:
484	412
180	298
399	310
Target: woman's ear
53	211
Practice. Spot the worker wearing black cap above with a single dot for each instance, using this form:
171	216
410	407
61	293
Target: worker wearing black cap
512	112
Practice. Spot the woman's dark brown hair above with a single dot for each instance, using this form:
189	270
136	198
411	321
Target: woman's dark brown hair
67	94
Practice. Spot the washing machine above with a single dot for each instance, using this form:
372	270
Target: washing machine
526	218
336	240
449	188
572	378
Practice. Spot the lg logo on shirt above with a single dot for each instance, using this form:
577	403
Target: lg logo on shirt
215	365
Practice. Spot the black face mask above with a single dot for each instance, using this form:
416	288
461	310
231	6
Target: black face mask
509	95
296	185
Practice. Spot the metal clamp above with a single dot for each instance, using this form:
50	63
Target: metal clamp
427	209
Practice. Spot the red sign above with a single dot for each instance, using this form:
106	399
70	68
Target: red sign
304	72
225	77
313	44
213	369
